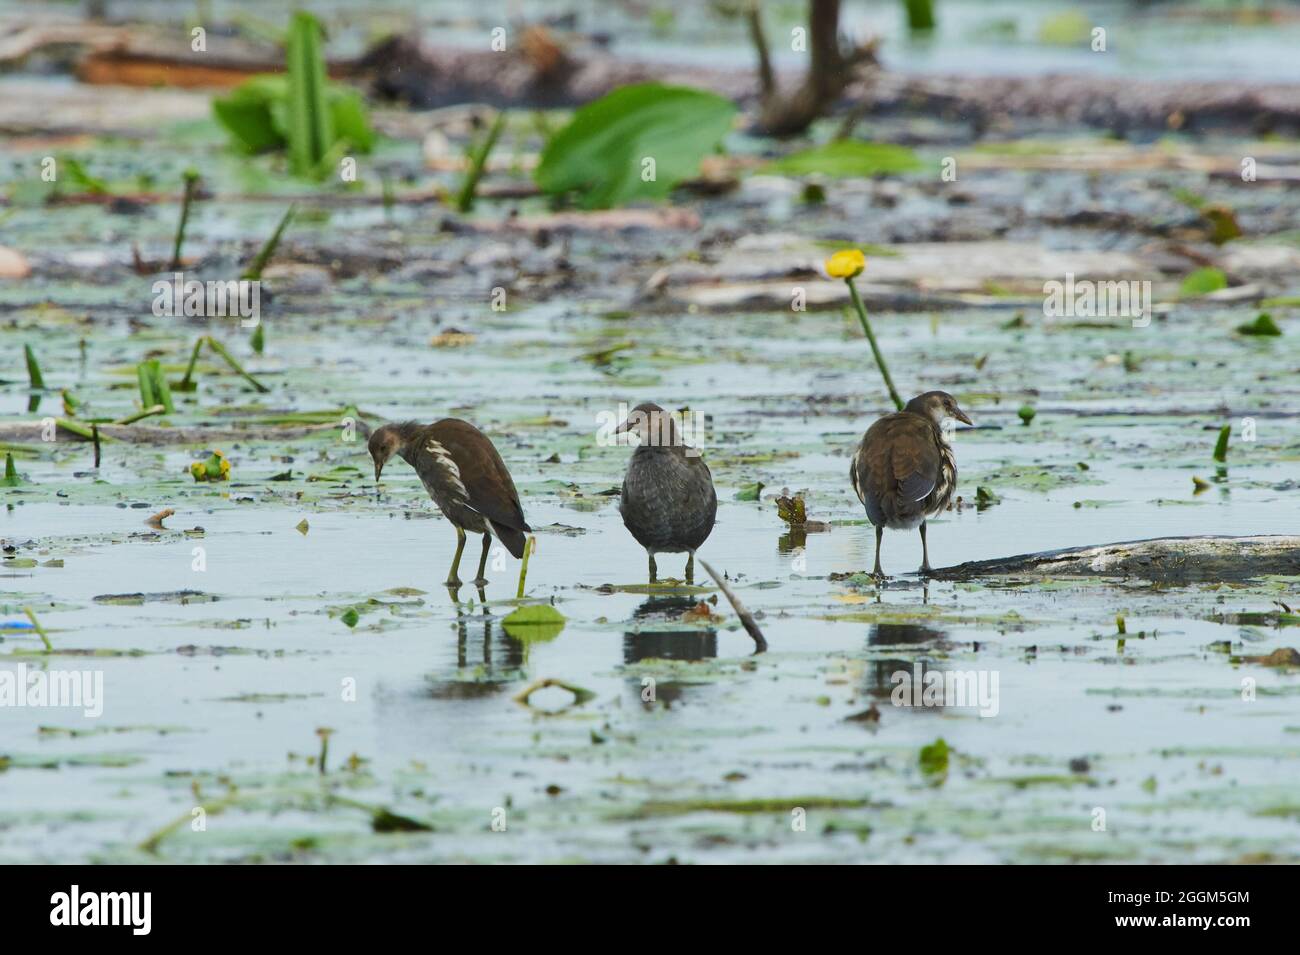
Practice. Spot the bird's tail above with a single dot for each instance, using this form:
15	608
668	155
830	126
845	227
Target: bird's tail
514	538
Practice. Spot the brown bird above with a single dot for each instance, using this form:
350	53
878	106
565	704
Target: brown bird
668	501
904	470
466	478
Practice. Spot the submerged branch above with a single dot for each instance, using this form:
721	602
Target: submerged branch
746	618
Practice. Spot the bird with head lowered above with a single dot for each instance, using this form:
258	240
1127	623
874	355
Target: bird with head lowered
466	478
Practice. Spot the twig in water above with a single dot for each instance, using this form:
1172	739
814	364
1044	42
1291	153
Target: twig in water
746	618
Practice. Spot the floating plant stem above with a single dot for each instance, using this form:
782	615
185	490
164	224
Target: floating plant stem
324	735
523	567
220	349
140	415
478	156
11	478
186	383
40	631
34	369
75	427
254	271
920	15
153	386
875	348
191	188
1221	446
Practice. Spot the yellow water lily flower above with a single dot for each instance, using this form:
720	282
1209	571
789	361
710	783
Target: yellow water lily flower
846	263
215	468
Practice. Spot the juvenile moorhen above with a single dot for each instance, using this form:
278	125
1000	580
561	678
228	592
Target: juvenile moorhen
466	478
904	470
668	500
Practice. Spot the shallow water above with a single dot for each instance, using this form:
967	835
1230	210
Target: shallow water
230	692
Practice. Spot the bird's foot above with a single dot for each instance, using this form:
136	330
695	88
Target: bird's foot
454	581
479	581
878	576
925	571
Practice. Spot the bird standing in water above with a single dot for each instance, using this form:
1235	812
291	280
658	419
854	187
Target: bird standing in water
466	478
668	500
904	470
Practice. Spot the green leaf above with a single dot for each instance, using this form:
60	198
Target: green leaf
247	113
601	153
76	172
534	622
847	158
1202	282
1262	325
348	111
750	492
36	379
311	126
1221	446
11	478
934	758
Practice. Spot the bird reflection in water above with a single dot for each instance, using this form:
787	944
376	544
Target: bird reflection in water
880	678
478	643
688	643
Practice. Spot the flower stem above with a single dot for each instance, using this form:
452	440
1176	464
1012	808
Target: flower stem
875	349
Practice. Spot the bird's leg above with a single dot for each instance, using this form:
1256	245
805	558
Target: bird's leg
482	561
453	579
690	568
925	552
880	532
654	570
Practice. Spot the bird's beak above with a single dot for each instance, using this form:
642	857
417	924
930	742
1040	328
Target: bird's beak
379	468
961	416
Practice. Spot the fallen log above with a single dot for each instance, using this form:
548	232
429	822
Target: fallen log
1173	560
30	432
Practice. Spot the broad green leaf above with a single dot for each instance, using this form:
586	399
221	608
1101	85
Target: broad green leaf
534	622
1202	282
248	113
602	153
847	158
350	123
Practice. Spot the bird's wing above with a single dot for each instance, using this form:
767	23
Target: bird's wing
489	488
914	459
897	456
